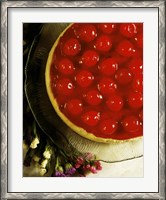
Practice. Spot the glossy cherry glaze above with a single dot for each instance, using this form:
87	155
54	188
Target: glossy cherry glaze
97	78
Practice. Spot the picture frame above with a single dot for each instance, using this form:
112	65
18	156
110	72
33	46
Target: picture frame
6	105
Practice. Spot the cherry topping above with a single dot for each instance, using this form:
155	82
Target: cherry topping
74	106
141	115
137	83
108	126
135	100
107	28
90	58
84	78
107	86
136	66
65	66
126	48
64	86
123	76
108	66
131	123
97	78
93	97
115	103
71	47
91	118
128	30
87	33
139	40
103	43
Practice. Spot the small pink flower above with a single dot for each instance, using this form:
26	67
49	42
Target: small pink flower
99	167
97	163
84	168
93	169
77	166
80	160
87	166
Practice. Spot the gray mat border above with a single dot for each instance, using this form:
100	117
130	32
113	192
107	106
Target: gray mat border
5	5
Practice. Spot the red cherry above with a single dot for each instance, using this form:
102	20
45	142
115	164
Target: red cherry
93	97
115	103
84	78
123	76
126	48
74	106
131	123
71	47
141	115
139	27
107	28
87	32
108	126
108	66
90	58
135	100
137	83
107	86
91	118
103	43
139	40
64	86
128	30
65	66
136	66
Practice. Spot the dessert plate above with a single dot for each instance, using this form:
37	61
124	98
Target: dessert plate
46	116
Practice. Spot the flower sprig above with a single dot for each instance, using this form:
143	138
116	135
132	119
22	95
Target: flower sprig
56	162
78	166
